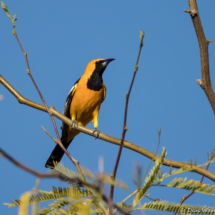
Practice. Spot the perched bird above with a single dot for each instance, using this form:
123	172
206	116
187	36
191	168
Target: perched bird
82	105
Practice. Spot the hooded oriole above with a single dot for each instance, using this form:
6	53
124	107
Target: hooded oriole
82	105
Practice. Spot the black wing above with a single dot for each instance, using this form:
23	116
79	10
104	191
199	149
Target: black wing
66	111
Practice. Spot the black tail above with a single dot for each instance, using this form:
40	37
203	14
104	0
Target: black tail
56	155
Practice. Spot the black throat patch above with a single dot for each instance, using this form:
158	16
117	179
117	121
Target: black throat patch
95	81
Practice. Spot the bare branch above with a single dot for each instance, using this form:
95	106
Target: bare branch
102	136
125	128
175	164
26	168
75	162
205	83
56	141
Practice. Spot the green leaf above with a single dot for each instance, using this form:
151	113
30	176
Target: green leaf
4	7
66	175
149	180
173	207
191	185
59	192
183	169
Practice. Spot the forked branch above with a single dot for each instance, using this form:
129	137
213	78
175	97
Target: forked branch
22	100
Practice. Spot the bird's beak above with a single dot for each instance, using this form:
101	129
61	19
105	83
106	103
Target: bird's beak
106	62
109	60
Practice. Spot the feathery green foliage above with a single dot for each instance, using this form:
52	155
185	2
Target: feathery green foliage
66	174
173	207
59	203
191	185
183	169
149	180
72	192
98	179
127	207
101	179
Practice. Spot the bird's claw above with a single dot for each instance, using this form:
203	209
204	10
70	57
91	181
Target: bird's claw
73	124
97	132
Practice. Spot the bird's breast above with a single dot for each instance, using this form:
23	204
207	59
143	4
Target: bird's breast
85	102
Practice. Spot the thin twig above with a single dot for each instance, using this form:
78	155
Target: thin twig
125	128
132	194
40	176
56	141
175	164
26	168
159	136
186	197
205	83
75	162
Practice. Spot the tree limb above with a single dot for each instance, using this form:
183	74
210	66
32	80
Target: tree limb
205	83
102	136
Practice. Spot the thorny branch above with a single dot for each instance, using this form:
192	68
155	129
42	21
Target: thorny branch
40	175
125	128
205	83
175	164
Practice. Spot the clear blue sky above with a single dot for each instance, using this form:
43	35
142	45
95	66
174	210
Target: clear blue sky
61	37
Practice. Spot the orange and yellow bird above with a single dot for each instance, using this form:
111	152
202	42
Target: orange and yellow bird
82	105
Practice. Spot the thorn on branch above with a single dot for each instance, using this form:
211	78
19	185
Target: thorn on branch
209	41
199	82
184	197
112	176
136	68
159	131
141	37
14	32
56	141
192	13
126	128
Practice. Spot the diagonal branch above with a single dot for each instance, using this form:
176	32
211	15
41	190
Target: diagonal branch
175	164
125	128
75	162
205	83
26	168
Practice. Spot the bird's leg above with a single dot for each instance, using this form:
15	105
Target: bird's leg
97	132
73	124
